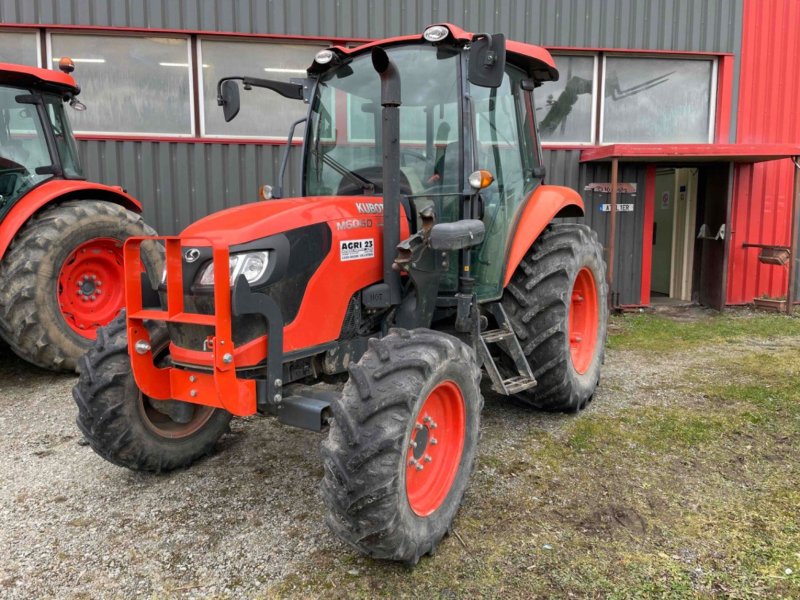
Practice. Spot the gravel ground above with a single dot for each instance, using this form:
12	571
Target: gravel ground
234	525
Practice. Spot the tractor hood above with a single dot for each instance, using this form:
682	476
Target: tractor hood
254	221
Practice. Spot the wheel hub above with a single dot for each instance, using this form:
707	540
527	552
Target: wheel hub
90	291
434	448
584	318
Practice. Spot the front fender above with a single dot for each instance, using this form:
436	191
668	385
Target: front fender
58	190
544	204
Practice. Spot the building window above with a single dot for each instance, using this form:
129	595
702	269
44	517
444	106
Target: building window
565	108
657	100
131	85
264	114
20	47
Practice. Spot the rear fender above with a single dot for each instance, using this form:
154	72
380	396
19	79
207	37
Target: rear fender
52	192
545	203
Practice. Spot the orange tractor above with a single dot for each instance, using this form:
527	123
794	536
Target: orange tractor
420	256
61	262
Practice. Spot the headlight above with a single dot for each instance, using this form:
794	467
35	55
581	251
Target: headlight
252	265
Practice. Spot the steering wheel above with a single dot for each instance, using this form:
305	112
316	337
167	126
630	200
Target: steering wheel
373	174
415	154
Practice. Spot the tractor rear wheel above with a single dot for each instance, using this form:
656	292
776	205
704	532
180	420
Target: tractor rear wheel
557	304
126	427
62	279
402	444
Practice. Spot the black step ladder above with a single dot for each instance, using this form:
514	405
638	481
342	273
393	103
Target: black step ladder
505	338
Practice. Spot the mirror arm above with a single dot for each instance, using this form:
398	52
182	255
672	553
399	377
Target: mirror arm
292	91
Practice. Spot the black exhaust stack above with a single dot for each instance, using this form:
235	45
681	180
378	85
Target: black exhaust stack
390	115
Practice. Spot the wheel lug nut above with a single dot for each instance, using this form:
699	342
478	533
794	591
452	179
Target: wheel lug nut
413	462
419	467
412	444
427	458
98	292
94	277
433	441
419	426
93	297
427	419
433	425
99	282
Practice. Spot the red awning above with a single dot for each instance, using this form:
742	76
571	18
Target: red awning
690	153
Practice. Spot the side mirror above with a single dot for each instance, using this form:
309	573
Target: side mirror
538	172
457	235
487	60
229	99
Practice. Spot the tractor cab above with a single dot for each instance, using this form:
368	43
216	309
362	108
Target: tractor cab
465	107
36	141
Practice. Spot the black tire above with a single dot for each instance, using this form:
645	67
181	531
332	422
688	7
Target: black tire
538	303
113	415
367	451
31	319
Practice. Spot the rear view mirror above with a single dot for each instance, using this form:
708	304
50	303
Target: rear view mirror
487	60
457	235
229	99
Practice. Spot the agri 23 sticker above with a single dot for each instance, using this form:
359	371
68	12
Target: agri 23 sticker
356	249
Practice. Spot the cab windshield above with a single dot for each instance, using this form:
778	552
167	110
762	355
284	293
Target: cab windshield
343	153
23	144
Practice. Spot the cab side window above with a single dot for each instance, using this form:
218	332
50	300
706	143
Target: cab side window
505	147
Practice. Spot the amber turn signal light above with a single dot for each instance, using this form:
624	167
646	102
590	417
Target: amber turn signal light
66	65
480	179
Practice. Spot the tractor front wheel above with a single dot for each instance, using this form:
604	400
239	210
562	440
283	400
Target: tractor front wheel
126	427
402	444
62	278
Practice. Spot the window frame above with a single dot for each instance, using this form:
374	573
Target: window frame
200	80
134	34
712	101
593	140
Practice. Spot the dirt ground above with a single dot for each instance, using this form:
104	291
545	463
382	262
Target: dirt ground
679	480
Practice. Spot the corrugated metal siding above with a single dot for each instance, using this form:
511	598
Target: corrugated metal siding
711	25
626	288
762	201
179	182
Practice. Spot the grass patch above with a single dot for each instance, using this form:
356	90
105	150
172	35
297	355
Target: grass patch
696	499
660	333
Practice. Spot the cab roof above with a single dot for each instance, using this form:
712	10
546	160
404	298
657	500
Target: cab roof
534	60
45	79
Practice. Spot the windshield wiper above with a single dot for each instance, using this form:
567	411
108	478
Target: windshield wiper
367	186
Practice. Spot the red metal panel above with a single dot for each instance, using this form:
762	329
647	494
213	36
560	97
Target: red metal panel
722	126
691	153
762	194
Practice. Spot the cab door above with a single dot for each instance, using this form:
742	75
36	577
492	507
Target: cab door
504	145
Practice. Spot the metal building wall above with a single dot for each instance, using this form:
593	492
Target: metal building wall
181	181
762	199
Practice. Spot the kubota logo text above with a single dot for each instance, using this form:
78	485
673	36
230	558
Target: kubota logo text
369	207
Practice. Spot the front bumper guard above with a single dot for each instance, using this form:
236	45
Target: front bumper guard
220	388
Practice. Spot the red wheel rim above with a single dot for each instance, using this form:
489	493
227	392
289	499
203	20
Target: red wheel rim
434	448
162	424
90	290
584	317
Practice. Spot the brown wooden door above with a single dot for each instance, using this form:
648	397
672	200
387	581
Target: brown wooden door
712	202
